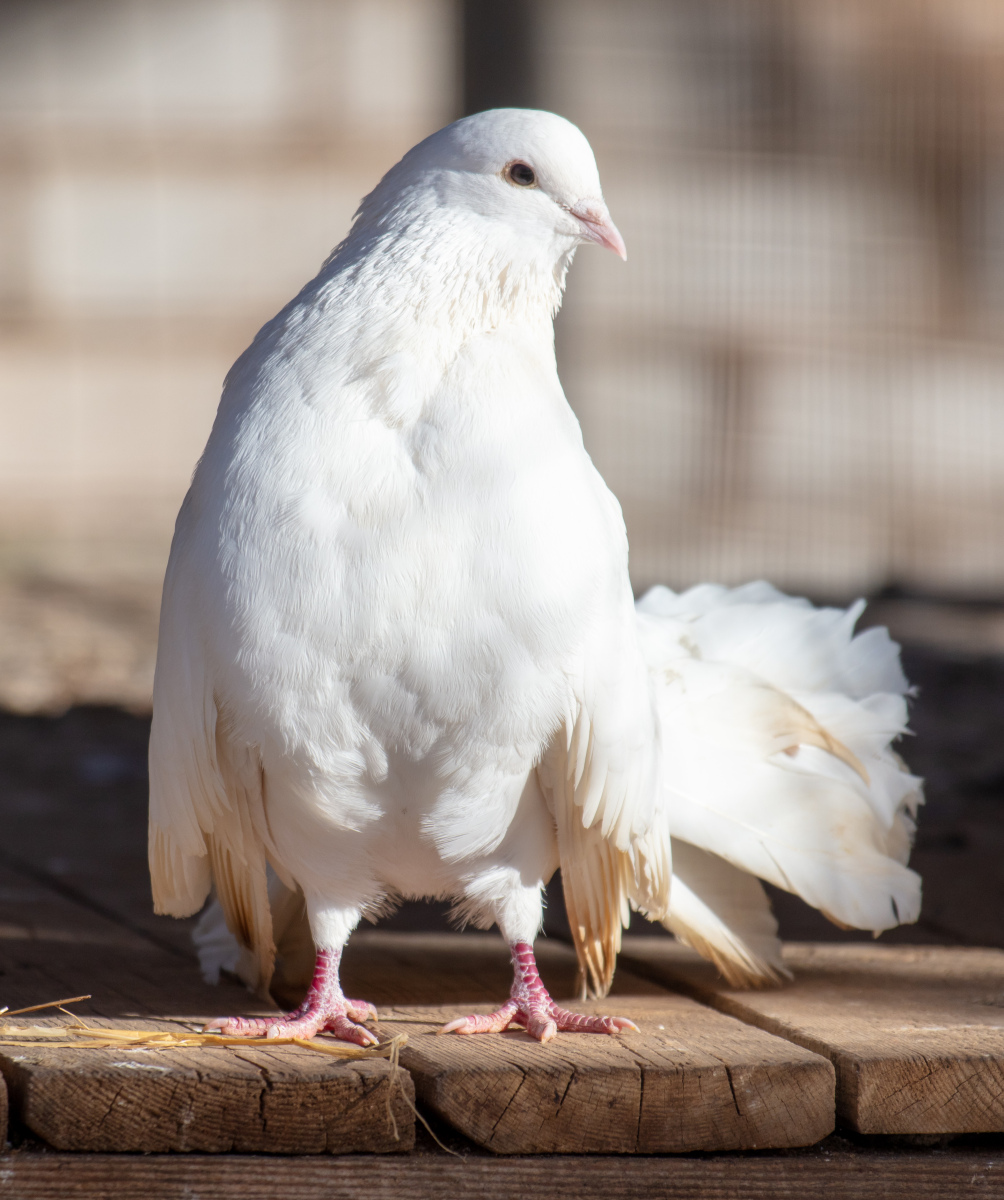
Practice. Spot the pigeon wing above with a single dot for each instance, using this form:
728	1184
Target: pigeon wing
206	791
602	782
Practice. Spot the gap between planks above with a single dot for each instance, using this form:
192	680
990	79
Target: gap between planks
703	1081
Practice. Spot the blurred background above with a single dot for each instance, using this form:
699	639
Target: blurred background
798	375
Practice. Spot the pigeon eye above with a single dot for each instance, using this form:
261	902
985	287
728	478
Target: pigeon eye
521	175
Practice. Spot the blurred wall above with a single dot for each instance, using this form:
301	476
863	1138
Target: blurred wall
799	372
171	172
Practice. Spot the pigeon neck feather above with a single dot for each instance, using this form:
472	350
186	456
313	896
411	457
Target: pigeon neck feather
447	275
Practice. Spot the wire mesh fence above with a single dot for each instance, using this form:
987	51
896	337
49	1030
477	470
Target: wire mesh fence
799	374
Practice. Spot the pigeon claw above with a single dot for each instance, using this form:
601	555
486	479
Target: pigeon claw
496	1022
531	1006
541	1021
343	1020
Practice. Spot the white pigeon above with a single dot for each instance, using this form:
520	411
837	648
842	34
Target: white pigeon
400	657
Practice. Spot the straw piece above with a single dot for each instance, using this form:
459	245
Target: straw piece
86	1037
33	1031
6	1012
396	1072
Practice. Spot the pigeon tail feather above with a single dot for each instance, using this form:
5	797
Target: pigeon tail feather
724	914
777	733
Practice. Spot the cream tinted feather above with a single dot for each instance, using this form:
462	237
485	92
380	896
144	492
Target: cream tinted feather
186	788
724	914
600	776
206	806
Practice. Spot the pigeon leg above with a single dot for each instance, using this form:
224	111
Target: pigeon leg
531	1006
325	1008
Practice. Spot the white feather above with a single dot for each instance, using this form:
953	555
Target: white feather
724	914
777	727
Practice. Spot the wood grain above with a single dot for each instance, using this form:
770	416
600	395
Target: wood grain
285	1100
836	1172
915	1033
690	1080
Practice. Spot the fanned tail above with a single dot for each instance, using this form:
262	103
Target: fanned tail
777	725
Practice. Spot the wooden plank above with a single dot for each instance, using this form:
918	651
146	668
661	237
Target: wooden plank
915	1033
690	1080
287	1100
835	1171
283	1101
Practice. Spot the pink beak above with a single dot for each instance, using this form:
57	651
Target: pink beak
597	227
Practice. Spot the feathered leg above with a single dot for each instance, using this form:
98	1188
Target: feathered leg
531	1006
325	1009
511	898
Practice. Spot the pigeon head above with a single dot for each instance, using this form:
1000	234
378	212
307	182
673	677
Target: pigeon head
510	175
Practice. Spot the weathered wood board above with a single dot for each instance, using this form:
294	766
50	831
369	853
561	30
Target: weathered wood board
286	1100
686	1082
834	1171
915	1033
690	1080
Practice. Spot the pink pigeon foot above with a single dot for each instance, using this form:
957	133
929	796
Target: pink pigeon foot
324	1009
531	1006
